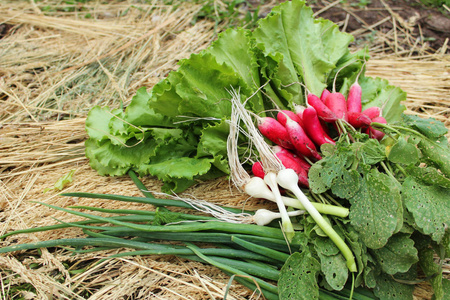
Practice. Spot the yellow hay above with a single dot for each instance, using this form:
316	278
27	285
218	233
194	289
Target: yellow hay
54	66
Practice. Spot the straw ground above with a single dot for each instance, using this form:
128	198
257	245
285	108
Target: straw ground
58	60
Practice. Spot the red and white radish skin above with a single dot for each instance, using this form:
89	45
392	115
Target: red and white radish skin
258	170
281	116
314	129
358	119
354	98
290	163
297	158
275	132
372	112
324	95
323	111
302	143
337	104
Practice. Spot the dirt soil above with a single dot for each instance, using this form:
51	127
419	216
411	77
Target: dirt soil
428	24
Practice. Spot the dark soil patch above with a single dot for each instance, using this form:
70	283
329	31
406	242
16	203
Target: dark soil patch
428	25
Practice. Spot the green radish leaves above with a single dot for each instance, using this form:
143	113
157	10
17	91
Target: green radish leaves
429	206
374	209
431	128
398	255
298	277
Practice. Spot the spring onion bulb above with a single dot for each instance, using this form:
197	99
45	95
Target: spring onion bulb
264	216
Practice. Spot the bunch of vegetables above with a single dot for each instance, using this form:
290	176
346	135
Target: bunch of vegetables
364	188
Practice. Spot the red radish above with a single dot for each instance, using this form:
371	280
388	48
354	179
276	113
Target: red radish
358	120
354	98
298	159
299	112
258	170
372	112
337	104
323	111
324	126
300	140
281	116
274	131
324	95
292	164
373	133
314	129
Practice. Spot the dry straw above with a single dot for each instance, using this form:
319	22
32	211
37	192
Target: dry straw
54	66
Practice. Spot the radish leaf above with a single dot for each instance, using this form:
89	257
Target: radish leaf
398	255
332	263
430	176
431	128
403	152
374	209
430	268
298	277
429	207
436	154
389	289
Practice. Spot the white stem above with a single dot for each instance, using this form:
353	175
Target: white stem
257	188
271	180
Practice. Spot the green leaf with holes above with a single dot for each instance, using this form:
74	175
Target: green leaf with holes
333	264
429	176
370	152
375	209
325	246
347	184
324	173
389	289
298	277
316	183
428	127
429	205
398	255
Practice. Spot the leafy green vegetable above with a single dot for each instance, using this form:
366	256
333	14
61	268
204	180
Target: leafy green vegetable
429	206
430	268
288	47
437	154
332	263
403	152
398	255
431	128
389	289
429	176
374	209
298	277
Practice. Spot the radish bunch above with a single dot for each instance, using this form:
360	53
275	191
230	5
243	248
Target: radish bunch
280	167
298	135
